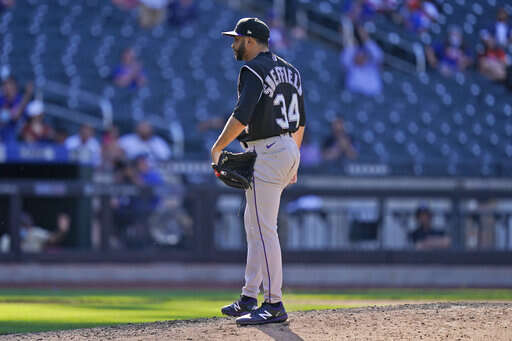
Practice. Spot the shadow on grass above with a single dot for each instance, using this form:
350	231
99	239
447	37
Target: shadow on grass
120	307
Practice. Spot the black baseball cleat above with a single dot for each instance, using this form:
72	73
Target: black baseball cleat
241	307
267	313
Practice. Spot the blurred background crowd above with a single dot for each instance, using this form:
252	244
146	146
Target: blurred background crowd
132	87
166	94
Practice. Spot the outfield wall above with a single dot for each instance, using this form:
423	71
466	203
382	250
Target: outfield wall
215	275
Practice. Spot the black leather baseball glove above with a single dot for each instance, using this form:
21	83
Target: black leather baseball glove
236	169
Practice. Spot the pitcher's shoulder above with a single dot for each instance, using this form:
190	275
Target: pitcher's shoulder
286	63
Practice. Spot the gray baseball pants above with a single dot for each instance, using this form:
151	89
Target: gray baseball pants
277	162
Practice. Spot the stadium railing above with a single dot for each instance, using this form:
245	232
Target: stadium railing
323	220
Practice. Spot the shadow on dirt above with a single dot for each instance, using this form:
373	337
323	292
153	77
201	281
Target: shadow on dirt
279	332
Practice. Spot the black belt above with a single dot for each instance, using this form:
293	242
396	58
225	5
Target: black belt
247	146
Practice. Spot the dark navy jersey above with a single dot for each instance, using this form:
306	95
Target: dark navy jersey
270	98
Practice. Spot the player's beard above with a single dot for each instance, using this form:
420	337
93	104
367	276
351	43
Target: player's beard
240	52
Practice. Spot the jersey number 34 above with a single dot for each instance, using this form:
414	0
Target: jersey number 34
290	115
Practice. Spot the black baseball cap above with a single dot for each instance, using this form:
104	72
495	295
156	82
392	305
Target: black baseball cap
250	27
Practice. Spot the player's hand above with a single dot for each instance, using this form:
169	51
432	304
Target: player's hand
215	155
293	180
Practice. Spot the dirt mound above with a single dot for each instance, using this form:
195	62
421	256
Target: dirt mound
434	321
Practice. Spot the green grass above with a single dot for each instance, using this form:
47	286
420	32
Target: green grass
29	310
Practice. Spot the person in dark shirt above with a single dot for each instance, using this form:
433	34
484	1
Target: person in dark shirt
451	56
338	145
129	73
492	61
36	130
12	108
425	236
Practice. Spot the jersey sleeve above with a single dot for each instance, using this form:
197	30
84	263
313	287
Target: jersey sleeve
251	89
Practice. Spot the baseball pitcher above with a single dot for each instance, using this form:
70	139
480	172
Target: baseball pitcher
269	121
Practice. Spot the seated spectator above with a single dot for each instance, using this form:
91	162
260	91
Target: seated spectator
152	12
181	12
84	147
338	145
425	236
450	57
36	239
146	175
12	108
131	213
143	141
492	61
111	150
36	130
129	73
501	31
362	64
418	15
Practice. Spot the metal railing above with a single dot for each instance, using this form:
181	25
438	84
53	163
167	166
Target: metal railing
325	25
334	221
68	94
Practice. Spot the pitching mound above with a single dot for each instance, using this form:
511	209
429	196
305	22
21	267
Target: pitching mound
435	321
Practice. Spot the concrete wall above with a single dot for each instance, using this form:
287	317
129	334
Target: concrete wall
204	275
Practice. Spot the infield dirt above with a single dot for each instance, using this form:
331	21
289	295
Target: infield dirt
433	321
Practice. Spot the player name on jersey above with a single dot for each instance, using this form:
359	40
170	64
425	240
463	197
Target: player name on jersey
281	74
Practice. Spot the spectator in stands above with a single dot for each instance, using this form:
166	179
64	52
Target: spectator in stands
492	61
152	12
129	73
6	4
36	239
181	12
84	147
36	130
338	145
111	151
12	108
131	213
425	236
418	15
451	56
362	64
144	141
145	174
501	30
